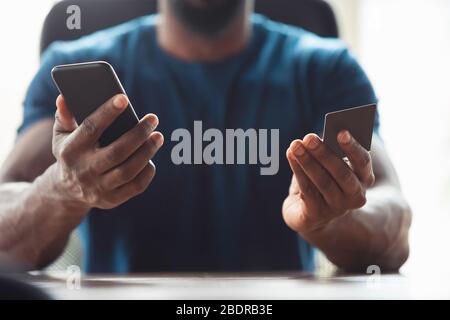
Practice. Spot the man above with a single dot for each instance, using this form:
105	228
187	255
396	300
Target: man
215	62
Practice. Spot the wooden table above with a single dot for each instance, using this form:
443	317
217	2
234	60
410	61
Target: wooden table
242	286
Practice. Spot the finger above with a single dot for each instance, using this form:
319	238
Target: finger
339	170
121	149
319	177
358	156
90	130
134	165
308	190
64	120
294	187
136	186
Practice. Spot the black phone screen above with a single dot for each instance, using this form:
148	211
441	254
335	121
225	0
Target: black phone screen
87	86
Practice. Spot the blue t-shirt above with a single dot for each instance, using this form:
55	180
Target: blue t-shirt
209	217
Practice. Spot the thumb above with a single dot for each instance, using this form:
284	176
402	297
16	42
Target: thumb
64	120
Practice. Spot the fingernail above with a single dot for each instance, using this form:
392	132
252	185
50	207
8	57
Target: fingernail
344	137
120	102
312	142
152	122
149	124
299	149
158	140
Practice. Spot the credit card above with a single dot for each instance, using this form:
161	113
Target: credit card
359	121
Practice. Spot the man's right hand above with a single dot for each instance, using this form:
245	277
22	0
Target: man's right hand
89	176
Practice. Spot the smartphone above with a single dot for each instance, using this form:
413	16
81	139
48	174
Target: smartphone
87	86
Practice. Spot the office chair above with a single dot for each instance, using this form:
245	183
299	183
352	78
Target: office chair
313	15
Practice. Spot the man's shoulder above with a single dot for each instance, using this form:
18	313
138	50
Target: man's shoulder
101	44
297	42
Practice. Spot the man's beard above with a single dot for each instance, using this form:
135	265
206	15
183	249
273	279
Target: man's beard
206	17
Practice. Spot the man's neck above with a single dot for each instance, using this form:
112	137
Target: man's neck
180	42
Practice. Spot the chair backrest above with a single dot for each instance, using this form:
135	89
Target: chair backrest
313	15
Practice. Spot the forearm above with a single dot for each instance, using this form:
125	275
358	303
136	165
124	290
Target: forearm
35	221
376	234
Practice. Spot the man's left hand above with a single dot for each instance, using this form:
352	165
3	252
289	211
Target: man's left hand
324	186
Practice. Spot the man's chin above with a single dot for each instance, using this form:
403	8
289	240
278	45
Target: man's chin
206	17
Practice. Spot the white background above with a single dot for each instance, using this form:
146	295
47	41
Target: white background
405	47
20	28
